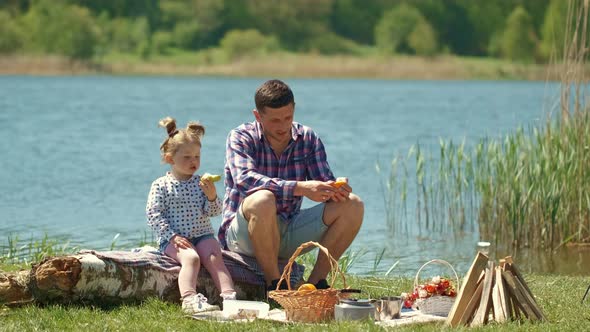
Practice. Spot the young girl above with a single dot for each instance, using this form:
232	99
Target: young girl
179	206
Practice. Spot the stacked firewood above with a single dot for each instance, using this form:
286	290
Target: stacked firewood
493	292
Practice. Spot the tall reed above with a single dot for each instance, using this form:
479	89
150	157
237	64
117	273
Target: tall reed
530	189
33	250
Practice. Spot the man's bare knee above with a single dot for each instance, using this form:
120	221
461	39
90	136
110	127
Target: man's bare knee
261	203
357	204
349	212
356	210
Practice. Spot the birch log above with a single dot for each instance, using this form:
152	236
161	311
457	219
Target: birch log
13	287
87	278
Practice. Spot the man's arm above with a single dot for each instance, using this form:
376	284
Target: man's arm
317	163
319	169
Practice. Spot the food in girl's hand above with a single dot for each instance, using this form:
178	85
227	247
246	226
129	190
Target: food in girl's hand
306	287
211	177
339	182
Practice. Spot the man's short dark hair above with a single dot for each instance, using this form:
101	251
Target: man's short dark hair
273	94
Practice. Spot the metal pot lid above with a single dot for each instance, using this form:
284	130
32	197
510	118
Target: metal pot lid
357	302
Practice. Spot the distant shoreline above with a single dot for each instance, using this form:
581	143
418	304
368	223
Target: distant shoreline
291	66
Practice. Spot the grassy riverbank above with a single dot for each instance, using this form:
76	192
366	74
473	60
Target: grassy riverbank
558	296
216	63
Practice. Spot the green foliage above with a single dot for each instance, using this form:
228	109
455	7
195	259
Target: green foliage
426	27
293	22
364	14
209	15
553	30
423	39
495	45
518	42
56	28
395	27
11	35
457	23
127	35
161	42
186	34
147	9
238	43
173	11
331	43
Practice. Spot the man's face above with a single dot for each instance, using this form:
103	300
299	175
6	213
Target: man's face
276	122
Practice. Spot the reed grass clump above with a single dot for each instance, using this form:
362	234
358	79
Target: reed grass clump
33	250
530	189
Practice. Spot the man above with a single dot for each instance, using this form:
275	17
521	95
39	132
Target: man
271	164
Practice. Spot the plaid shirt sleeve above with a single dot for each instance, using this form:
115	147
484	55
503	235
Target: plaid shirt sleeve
155	212
318	166
241	157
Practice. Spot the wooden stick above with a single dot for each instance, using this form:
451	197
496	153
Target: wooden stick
530	300
514	309
518	292
499	315
510	266
501	306
467	289
482	315
527	291
467	315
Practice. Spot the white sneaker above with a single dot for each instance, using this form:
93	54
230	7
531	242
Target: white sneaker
194	304
228	296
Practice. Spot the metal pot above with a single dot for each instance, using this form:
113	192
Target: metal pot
352	309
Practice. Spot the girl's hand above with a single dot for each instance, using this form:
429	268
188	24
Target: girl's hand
208	188
180	242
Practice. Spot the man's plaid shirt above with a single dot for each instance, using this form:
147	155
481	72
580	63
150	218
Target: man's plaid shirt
252	165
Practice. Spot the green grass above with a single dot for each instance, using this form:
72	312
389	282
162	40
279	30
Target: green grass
559	298
26	252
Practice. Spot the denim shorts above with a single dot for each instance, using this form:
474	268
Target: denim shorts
193	240
308	225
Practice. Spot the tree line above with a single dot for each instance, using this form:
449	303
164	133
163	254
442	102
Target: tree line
521	30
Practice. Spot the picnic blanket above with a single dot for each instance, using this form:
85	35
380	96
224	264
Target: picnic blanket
407	317
241	267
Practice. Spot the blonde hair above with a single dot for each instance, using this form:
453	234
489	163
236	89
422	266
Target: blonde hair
177	137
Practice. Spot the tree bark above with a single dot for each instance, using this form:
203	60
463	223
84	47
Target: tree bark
89	279
13	288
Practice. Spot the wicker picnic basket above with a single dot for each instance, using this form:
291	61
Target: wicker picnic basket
308	306
439	305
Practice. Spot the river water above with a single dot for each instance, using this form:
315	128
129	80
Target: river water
79	153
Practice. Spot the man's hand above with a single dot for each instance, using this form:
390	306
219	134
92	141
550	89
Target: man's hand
317	191
342	193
